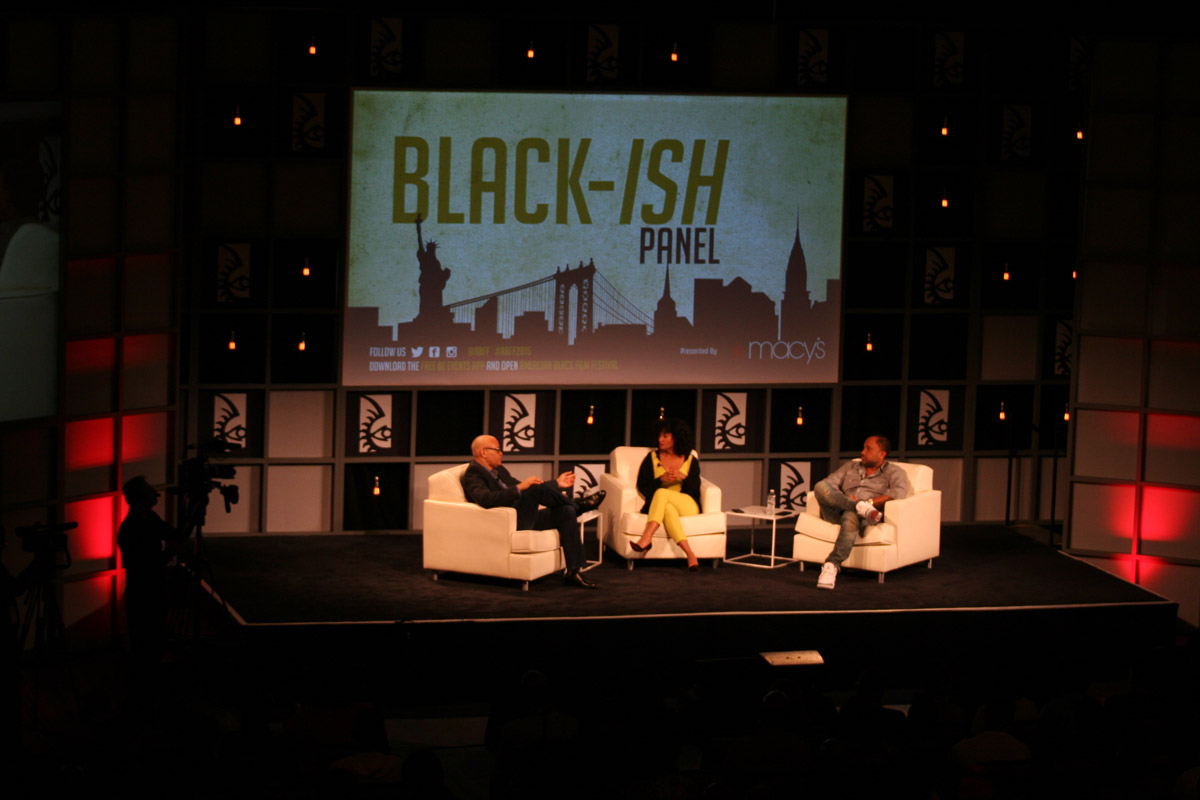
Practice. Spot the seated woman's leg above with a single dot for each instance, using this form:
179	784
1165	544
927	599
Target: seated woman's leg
666	507
676	505
644	542
654	518
674	528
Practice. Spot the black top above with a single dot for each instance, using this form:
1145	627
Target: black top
647	484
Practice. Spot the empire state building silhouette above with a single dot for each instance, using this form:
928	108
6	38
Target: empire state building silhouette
796	306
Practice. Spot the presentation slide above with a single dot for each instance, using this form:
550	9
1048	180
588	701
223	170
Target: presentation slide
501	239
30	208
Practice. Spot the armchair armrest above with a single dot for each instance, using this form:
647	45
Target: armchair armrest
918	523
621	497
919	509
710	496
460	536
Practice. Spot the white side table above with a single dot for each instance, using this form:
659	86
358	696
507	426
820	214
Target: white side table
755	514
585	518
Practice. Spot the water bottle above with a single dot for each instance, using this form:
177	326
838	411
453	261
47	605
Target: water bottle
771	501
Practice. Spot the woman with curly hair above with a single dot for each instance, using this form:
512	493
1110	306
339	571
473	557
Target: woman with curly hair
669	480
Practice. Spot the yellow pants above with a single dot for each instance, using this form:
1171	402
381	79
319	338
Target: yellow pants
667	506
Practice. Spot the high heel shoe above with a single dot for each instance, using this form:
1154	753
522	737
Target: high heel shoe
639	549
694	567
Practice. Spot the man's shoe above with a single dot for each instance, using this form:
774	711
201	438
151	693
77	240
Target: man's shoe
575	578
590	502
828	576
869	512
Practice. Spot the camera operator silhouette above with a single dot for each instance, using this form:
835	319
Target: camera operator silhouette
141	538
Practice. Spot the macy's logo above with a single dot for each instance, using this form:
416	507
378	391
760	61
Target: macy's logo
784	350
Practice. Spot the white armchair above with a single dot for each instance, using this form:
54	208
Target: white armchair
465	537
911	530
622	509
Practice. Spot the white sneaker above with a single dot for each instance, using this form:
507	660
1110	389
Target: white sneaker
828	576
869	512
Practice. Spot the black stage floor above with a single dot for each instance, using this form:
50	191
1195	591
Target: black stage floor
992	593
378	578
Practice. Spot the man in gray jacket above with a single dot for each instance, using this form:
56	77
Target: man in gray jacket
857	491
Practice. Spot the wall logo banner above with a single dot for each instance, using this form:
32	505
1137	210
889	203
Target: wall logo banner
939	275
729	428
375	423
229	418
587	478
233	273
520	423
933	424
794	479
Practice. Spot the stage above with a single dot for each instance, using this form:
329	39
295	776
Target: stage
994	595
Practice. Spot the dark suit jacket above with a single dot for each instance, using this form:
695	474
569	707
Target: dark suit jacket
480	487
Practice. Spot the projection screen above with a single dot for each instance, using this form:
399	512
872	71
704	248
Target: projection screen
568	239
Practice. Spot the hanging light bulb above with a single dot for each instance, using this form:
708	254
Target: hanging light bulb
945	127
306	271
237	116
1001	409
870	346
1006	276
1074	274
529	52
232	341
1079	133
674	51
301	346
312	46
799	415
375	490
591	418
1066	412
945	199
661	412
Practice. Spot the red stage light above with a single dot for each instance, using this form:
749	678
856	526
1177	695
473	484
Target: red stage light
89	443
144	437
1173	432
1168	515
90	356
149	349
93	539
